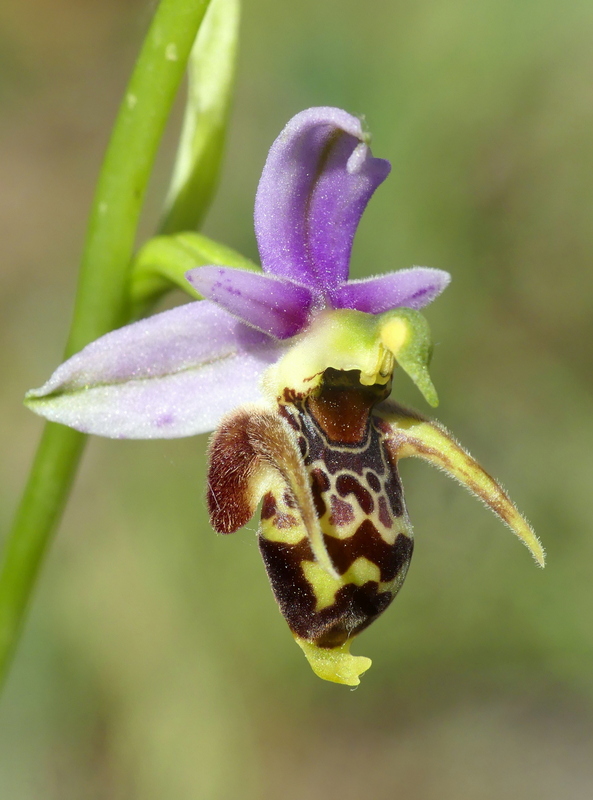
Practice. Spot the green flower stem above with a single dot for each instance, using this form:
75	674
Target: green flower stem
102	299
39	512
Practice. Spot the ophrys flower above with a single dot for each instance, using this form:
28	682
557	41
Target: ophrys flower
293	366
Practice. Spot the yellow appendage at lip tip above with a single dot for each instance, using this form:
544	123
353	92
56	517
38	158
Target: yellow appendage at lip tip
335	664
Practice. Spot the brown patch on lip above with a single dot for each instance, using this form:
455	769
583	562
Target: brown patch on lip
289	500
353	609
289	417
291	396
269	508
342	416
395	494
348	484
373	481
384	516
366	456
341	512
319	484
368	543
285	521
342	405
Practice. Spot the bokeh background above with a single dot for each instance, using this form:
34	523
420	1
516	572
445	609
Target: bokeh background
155	665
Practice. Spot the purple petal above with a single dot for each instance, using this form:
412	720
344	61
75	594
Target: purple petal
411	288
317	180
276	307
174	374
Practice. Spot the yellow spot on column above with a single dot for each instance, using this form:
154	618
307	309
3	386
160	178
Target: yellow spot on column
336	664
394	335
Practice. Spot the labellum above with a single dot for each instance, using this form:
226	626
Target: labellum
335	535
329	486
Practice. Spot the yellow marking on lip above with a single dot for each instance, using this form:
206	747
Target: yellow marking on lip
345	532
292	535
325	586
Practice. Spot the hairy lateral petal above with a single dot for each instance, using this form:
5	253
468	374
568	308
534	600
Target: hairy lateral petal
316	182
409	288
255	450
410	434
279	308
173	374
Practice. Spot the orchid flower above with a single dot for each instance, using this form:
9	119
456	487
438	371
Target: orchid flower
292	367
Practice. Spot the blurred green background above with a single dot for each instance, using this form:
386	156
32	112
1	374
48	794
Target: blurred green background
155	665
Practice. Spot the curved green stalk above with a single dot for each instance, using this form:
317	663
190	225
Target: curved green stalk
210	77
163	261
101	303
102	299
